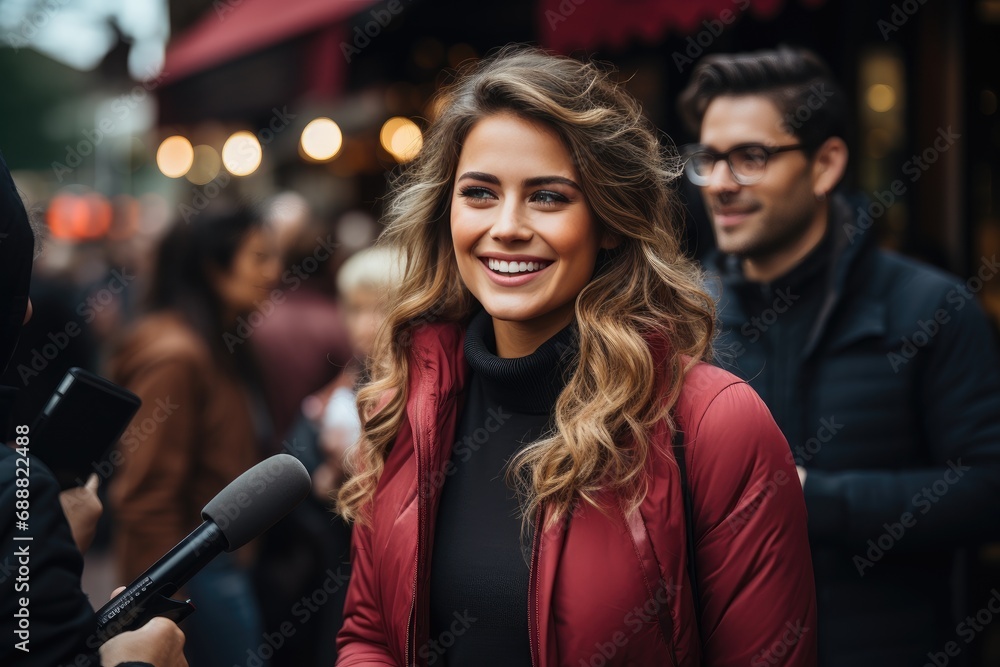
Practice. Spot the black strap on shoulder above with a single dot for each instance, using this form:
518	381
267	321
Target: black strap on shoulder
692	566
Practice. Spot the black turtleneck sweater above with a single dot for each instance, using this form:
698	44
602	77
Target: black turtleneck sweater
782	316
479	564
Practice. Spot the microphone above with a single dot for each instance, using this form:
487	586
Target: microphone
246	508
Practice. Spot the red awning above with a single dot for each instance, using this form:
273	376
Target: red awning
565	25
232	28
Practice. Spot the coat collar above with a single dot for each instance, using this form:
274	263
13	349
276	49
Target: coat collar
850	246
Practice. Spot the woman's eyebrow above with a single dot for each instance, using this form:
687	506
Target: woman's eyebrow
480	176
548	180
532	182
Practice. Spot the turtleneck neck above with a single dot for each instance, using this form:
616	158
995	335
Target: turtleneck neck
529	385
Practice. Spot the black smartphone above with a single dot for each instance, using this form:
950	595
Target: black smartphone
81	422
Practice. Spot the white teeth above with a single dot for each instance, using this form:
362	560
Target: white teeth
502	266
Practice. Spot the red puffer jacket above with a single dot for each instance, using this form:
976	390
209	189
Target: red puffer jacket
605	589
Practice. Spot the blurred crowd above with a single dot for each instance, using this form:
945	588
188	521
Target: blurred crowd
301	300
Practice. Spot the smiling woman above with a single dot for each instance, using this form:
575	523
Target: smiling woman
525	240
548	325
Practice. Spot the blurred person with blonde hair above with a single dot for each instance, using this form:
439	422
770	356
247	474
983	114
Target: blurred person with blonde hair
364	283
516	495
299	554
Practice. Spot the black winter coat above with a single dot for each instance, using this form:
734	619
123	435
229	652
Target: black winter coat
884	376
61	625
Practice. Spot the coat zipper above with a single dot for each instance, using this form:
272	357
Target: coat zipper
413	605
534	639
421	526
410	621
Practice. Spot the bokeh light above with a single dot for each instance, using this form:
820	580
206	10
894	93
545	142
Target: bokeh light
321	139
175	156
79	217
242	153
881	97
402	138
207	165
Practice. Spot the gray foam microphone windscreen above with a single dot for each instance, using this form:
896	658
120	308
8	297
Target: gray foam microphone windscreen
257	499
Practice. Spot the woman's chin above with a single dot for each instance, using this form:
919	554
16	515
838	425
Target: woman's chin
509	312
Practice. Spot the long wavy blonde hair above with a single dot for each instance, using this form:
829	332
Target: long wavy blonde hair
647	291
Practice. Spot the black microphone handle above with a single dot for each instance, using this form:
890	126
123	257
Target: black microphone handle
130	609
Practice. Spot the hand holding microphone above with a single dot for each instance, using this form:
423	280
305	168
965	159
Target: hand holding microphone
246	508
160	642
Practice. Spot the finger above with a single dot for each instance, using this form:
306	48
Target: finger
161	626
115	592
93	482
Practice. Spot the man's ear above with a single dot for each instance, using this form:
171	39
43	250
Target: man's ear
829	165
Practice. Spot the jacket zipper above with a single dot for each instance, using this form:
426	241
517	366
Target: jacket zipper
421	526
411	619
413	605
534	639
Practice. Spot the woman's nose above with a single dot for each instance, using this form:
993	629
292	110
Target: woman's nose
510	223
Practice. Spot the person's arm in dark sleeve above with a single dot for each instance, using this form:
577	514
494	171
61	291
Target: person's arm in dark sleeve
952	502
61	618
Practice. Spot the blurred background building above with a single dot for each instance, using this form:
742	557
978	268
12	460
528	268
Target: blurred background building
122	118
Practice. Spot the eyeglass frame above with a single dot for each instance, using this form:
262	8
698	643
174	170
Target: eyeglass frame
691	150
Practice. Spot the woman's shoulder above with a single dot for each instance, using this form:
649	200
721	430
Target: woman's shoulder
729	431
719	411
430	337
436	353
160	338
703	384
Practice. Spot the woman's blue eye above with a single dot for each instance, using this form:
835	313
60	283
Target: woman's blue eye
475	195
548	197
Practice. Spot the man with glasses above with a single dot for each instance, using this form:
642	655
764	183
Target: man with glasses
881	372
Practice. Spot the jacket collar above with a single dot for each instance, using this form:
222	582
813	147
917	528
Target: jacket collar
849	246
438	374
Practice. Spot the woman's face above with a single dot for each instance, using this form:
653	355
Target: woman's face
252	274
524	237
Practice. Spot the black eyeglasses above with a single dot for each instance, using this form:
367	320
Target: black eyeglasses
746	161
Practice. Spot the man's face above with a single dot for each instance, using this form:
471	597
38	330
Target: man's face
770	216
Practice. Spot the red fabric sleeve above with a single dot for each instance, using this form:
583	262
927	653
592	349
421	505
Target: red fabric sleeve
758	596
361	640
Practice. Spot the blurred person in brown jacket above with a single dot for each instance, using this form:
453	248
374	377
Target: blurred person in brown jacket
201	423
